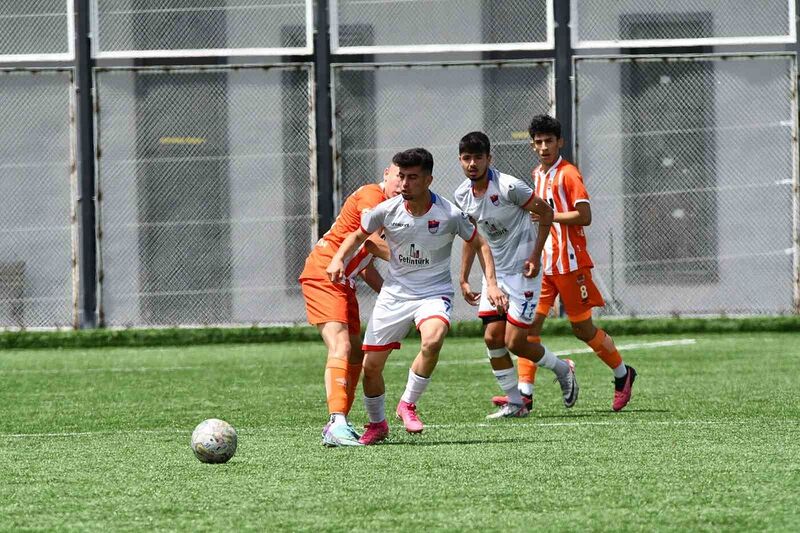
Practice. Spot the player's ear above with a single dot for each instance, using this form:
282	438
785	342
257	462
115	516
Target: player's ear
560	143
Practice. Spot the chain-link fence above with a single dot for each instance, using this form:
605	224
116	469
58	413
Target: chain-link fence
206	196
36	199
383	109
35	30
670	22
202	27
690	166
367	26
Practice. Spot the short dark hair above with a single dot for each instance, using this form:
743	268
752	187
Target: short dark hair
475	142
414	157
544	124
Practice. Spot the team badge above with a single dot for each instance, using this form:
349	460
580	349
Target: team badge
580	279
433	226
495	199
529	295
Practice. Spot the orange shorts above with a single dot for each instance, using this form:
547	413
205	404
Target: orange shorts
331	302
578	294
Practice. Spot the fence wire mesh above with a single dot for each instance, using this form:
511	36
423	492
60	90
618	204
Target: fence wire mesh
388	23
205	189
598	20
163	25
689	163
34	27
36	157
381	110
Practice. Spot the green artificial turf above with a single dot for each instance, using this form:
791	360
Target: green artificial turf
98	439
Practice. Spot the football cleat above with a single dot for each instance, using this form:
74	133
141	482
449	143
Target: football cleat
375	433
509	410
500	401
623	388
569	385
341	435
407	412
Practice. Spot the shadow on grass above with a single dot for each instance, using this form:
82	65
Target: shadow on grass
464	442
602	412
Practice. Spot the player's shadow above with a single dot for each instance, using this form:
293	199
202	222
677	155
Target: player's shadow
465	442
602	412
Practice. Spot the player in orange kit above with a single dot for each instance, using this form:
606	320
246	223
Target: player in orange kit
333	307
566	264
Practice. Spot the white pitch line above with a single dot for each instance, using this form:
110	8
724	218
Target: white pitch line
635	346
120	370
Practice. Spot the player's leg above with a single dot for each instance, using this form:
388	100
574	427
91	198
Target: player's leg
522	305
386	328
356	356
580	295
494	333
512	404
327	308
432	318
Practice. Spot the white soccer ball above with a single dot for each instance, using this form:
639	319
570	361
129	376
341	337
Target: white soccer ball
214	441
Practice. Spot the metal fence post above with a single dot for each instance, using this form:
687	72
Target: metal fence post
87	306
324	127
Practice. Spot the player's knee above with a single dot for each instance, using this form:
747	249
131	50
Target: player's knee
431	346
583	331
372	367
493	338
516	340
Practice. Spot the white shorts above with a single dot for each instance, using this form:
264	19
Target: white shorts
392	317
523	295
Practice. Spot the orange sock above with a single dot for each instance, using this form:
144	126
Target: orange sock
603	346
527	368
336	385
353	375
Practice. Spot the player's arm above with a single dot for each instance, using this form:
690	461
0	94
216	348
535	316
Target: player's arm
581	216
377	247
542	212
467	259
496	297
372	277
350	244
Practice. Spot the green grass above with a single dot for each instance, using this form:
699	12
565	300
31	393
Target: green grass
97	439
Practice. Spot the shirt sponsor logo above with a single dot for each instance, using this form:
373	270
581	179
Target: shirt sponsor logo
414	257
400	225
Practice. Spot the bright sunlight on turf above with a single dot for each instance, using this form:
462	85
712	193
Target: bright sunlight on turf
99	440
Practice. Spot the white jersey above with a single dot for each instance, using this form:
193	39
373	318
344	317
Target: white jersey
501	219
419	266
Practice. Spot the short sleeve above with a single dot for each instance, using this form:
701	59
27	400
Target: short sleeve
372	219
466	229
519	193
576	190
368	198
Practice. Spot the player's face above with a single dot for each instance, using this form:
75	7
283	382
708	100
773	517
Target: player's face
391	181
547	147
475	166
414	182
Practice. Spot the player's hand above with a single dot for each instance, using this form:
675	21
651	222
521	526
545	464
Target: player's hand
335	270
532	267
497	298
472	298
535	217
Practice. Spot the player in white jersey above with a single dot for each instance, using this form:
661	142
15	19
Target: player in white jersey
501	207
419	227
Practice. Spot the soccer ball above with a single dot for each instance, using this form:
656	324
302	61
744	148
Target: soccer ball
214	441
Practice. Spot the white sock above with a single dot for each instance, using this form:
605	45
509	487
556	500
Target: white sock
620	371
415	386
525	388
376	408
338	418
549	360
507	379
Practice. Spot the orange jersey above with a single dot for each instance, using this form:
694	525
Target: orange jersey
562	187
348	221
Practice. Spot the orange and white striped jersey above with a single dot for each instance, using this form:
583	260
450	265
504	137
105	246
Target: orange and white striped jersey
562	187
348	221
